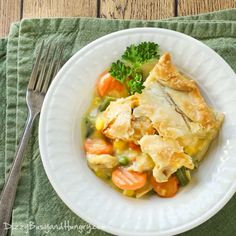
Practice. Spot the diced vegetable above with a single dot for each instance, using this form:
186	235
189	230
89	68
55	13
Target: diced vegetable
123	160
165	189
128	180
89	125
119	145
105	103
107	84
102	174
110	182
99	124
97	101
129	193
182	176
98	146
134	146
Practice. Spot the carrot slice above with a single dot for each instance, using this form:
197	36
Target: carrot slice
107	83
128	180
98	146
166	189
134	146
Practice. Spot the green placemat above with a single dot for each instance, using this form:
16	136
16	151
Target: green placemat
38	210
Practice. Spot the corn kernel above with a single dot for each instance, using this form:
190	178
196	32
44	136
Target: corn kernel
99	124
119	145
129	193
100	174
97	101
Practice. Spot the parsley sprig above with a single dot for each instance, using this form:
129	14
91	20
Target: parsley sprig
136	83
120	71
135	56
128	70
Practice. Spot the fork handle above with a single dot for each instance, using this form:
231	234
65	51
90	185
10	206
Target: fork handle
7	197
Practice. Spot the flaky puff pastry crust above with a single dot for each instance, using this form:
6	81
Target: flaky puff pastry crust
186	93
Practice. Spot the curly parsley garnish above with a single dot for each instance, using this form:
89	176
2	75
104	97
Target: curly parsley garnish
129	70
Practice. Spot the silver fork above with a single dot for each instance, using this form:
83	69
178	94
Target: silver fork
43	72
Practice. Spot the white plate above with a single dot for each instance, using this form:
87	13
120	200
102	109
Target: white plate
62	152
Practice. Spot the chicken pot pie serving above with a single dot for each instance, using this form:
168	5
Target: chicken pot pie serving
148	126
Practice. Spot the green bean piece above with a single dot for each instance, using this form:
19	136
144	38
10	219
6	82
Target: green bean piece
182	177
89	127
105	103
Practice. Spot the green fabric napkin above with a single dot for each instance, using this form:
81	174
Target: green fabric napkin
38	210
3	50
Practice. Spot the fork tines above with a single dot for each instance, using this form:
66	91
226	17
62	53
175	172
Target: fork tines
45	67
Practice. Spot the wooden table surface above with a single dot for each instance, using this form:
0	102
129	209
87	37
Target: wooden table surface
14	10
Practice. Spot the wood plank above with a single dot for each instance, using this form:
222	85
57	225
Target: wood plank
59	8
9	12
186	7
137	9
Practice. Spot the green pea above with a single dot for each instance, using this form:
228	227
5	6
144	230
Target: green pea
123	160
